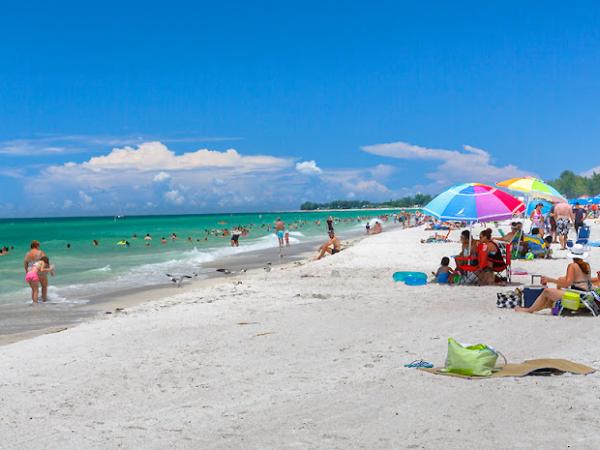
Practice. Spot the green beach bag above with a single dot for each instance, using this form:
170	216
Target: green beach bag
471	360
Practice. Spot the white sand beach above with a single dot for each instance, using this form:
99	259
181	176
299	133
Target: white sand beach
306	356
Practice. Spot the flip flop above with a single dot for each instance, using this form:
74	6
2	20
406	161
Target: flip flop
419	364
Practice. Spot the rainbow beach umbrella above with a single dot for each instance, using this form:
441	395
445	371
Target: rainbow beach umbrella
474	202
533	188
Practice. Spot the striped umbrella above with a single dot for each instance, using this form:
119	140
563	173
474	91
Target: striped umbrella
474	202
533	188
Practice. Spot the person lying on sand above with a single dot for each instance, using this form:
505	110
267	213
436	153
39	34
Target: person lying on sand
332	246
437	238
578	277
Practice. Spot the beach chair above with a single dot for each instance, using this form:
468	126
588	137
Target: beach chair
574	301
506	267
583	237
476	265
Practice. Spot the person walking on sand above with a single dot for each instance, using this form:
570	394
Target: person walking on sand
280	231
564	216
34	255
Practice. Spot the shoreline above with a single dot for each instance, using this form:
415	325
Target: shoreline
60	317
305	357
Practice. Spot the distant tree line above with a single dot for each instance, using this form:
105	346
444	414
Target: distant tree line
404	202
572	185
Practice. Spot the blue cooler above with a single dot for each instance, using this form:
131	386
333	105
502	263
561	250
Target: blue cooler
530	295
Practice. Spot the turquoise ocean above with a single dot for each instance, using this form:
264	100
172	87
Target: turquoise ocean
85	270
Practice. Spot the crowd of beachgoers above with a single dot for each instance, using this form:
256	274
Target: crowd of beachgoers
486	259
483	258
37	264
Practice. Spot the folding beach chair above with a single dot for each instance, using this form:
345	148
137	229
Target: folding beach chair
583	237
506	263
573	301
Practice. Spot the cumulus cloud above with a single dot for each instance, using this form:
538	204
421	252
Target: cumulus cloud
151	156
174	197
308	168
161	177
85	198
471	164
591	172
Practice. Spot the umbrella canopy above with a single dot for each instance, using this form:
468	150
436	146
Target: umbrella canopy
534	188
474	202
585	200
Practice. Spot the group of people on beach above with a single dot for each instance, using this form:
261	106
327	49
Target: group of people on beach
37	267
551	228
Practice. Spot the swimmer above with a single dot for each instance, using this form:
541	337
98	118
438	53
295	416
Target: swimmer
280	230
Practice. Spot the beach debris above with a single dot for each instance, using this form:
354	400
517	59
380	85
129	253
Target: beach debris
335	273
264	334
248	323
232	272
268	267
178	279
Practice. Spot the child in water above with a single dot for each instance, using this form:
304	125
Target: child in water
33	278
443	273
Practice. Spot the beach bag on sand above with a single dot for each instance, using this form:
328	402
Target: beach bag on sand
471	360
510	299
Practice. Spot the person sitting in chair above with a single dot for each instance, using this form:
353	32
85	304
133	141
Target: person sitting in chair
578	277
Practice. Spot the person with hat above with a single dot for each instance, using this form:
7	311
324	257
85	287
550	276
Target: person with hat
578	277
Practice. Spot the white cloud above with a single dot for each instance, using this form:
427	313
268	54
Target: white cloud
382	171
472	164
156	156
308	168
67	204
82	143
591	172
174	197
161	176
85	198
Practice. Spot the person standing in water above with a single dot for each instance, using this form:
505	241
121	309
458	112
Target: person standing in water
34	255
235	237
330	224
280	231
32	277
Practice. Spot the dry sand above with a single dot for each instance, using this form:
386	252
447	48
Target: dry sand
305	357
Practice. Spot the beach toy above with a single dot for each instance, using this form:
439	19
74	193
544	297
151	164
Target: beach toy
529	256
402	276
415	281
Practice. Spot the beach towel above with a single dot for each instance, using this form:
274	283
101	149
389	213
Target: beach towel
527	368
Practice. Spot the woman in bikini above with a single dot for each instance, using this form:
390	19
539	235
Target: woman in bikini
32	257
578	277
537	219
34	274
495	260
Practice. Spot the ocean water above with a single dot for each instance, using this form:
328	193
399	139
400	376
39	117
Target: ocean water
85	270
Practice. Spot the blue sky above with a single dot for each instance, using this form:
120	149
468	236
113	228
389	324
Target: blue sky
319	100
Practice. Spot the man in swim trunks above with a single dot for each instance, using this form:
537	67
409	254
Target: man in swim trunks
564	217
332	246
280	231
235	237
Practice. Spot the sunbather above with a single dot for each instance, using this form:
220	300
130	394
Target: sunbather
332	246
578	277
437	238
